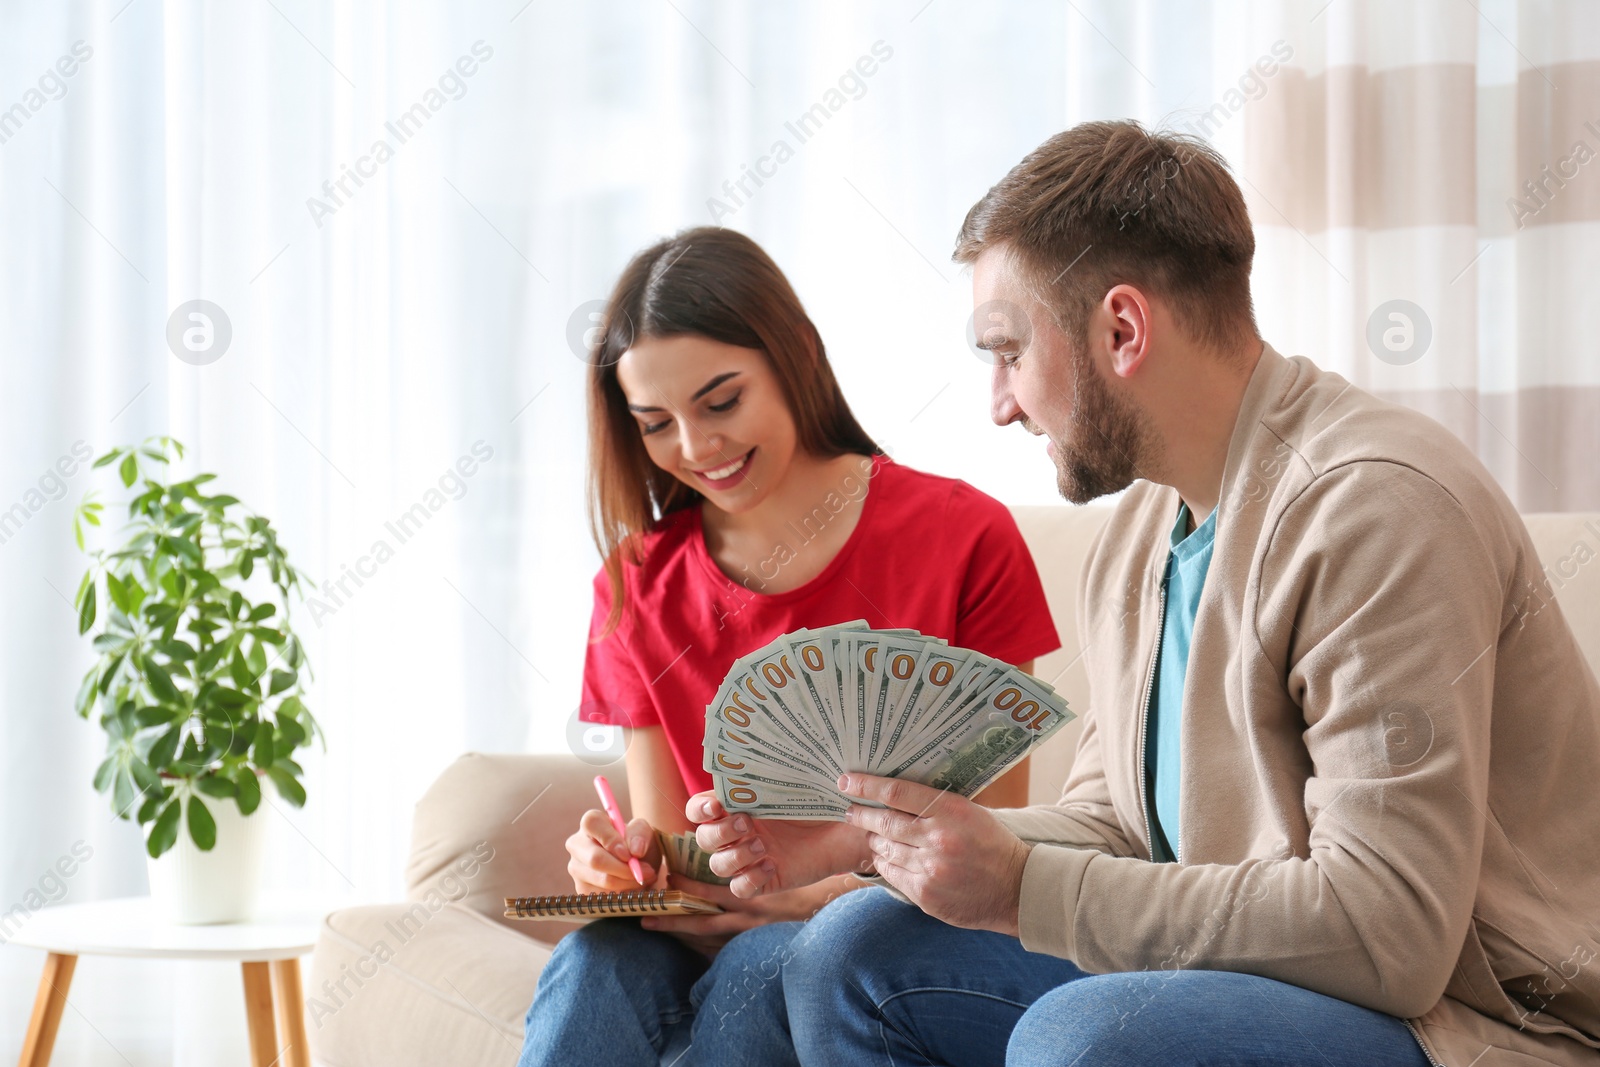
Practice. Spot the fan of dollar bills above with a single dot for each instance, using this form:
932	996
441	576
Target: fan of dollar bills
792	716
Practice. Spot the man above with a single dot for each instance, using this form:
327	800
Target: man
1333	801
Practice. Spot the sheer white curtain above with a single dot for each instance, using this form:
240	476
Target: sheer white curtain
402	210
1435	161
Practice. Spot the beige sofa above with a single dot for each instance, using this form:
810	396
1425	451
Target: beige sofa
444	979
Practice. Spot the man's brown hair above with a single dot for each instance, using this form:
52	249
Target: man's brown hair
1107	203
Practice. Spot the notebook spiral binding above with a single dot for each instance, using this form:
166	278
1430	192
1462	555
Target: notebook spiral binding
588	903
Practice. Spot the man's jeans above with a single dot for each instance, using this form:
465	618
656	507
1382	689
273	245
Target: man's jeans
875	982
617	995
872	981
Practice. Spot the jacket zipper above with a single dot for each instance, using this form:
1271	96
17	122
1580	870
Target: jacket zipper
1426	1051
1144	719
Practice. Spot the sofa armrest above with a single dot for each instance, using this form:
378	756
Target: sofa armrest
494	826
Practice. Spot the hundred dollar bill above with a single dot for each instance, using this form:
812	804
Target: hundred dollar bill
731	751
791	715
776	800
786	693
937	670
1014	715
813	672
750	711
899	659
683	855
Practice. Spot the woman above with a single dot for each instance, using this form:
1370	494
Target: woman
734	498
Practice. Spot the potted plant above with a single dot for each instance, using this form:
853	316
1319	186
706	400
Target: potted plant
197	679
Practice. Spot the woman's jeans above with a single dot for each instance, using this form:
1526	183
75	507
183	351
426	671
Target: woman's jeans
620	995
873	981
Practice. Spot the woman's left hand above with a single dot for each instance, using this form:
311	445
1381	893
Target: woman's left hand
739	915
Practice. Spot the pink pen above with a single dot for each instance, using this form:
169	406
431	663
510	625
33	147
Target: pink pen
609	801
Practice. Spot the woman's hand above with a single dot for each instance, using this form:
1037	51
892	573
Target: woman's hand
707	933
598	858
768	855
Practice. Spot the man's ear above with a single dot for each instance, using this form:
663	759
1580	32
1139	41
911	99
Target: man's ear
1126	315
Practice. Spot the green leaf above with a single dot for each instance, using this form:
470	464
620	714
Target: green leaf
129	469
109	457
147	810
291	735
262	751
160	614
222	500
164	834
136	593
118	591
247	565
165	747
235	603
209	656
123	794
146	778
288	788
231	698
249	791
281	680
214	785
85	698
86	610
102	774
180	651
186	547
239	671
154	716
261	611
108	674
160	681
202	828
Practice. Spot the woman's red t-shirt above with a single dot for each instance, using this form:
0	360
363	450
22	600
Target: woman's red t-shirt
927	552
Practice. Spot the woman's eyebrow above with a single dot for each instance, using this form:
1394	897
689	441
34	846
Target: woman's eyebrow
702	391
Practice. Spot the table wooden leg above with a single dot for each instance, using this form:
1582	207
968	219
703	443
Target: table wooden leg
291	1005
258	1013
48	1005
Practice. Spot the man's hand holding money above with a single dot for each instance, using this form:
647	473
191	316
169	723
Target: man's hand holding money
948	855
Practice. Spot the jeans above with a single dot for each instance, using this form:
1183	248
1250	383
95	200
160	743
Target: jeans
619	995
874	981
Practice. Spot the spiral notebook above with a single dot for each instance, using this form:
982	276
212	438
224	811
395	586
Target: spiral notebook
607	905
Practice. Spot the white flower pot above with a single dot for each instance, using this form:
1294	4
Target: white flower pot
193	888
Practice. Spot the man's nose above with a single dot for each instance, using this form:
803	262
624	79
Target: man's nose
1003	408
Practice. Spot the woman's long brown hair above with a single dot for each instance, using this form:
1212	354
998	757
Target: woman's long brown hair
716	283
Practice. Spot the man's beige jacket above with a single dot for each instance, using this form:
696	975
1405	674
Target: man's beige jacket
1390	783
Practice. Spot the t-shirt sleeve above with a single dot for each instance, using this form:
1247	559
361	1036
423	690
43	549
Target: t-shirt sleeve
1002	610
614	693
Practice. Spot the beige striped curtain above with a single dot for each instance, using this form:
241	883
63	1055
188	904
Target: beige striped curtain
1425	182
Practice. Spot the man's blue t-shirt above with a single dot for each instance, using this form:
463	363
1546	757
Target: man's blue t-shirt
1187	564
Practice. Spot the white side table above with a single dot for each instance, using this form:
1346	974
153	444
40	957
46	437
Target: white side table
268	950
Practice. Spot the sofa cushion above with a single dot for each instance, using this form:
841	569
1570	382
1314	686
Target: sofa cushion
405	984
495	826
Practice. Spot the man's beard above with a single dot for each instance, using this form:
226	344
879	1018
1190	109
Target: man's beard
1107	438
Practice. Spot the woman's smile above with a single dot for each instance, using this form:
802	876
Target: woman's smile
727	475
